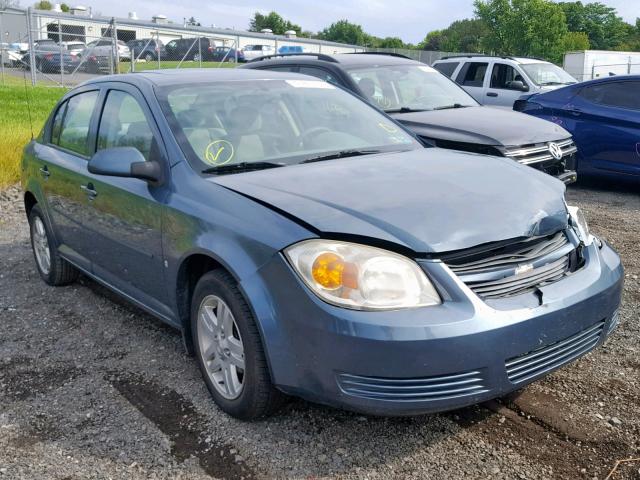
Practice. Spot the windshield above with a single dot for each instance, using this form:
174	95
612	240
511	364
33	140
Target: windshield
547	74
409	87
277	121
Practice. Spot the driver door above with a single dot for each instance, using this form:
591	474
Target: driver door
501	91
127	213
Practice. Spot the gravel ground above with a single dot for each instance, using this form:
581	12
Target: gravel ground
90	387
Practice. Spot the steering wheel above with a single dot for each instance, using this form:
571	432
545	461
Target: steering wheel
305	136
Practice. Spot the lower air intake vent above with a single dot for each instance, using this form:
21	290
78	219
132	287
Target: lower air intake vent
413	389
543	360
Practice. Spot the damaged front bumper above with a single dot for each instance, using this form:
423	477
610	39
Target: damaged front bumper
430	359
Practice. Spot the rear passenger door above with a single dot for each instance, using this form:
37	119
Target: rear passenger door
126	219
501	90
604	120
63	168
471	77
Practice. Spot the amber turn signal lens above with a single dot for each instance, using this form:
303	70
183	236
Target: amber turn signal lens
327	270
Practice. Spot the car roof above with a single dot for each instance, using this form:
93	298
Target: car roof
343	59
177	76
522	60
612	78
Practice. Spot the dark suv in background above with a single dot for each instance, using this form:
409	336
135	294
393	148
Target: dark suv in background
436	109
188	49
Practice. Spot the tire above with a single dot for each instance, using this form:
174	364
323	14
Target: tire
231	59
196	57
148	57
59	271
257	397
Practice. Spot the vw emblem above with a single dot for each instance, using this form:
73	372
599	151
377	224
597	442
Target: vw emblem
555	151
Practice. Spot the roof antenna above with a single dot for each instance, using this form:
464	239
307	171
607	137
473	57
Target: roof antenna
26	96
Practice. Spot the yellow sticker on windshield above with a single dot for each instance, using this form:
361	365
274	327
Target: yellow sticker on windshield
388	127
219	152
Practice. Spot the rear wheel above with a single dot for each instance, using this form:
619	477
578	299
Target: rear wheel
53	269
148	57
229	349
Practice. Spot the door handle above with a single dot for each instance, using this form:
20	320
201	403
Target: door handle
89	190
492	94
576	112
44	172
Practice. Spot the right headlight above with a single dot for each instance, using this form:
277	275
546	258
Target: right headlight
360	277
579	224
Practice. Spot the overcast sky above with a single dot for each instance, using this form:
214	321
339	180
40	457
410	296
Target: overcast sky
410	20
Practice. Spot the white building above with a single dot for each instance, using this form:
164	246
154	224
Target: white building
81	24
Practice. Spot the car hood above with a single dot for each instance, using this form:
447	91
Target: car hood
426	200
482	125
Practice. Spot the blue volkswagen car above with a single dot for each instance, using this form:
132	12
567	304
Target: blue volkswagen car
306	244
603	115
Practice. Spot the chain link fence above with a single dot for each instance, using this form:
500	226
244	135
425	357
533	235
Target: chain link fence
52	48
424	56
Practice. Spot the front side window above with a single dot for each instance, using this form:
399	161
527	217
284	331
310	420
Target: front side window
283	122
617	94
547	74
409	87
472	74
502	76
74	132
123	124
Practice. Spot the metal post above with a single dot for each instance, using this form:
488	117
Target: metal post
1	50
276	51
32	53
593	71
158	45
237	46
61	54
114	32
199	52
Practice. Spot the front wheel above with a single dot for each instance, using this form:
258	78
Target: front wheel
229	349
148	57
53	269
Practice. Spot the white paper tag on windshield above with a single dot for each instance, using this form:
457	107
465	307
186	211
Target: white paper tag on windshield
427	69
309	84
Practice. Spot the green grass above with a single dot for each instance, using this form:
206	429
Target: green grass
15	129
141	66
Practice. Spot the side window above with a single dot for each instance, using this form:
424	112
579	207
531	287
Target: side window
56	127
282	68
502	75
123	124
447	68
472	74
617	94
318	72
74	132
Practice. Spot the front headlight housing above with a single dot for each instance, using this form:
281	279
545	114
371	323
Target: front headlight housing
579	224
360	277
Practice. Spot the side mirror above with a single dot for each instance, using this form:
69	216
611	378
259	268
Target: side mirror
124	162
518	85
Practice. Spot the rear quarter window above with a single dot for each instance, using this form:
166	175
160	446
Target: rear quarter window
447	68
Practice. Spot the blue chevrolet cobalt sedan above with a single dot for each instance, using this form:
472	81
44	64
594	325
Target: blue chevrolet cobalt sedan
306	244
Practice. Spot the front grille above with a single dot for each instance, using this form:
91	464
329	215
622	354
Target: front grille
515	268
413	389
548	358
539	152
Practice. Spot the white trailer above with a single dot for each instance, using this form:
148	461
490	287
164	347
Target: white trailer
590	64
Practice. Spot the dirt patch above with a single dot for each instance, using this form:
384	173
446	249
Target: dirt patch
177	418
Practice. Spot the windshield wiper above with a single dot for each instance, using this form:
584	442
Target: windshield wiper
406	110
446	107
242	167
340	154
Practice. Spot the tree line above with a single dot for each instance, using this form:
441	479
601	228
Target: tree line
533	28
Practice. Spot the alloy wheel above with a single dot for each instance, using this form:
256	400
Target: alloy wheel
41	245
221	347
